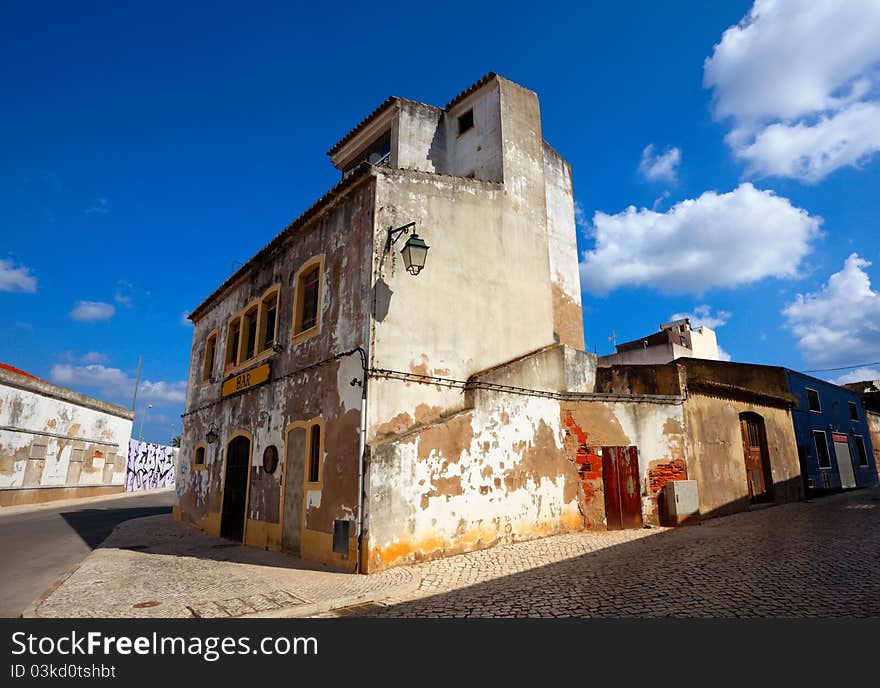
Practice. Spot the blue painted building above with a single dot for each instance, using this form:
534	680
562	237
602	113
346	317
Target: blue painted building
834	442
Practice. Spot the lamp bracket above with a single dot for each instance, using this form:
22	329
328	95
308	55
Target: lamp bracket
395	234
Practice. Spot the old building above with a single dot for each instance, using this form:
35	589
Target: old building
355	403
345	410
833	436
674	340
56	443
739	441
869	390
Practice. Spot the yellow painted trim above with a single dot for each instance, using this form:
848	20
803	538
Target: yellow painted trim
263	535
307	486
247	495
229	323
297	299
215	333
318	546
199	466
261	326
242	343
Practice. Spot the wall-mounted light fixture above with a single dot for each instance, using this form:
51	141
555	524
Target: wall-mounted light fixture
212	435
414	251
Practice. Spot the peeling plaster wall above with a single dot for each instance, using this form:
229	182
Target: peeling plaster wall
657	430
717	460
504	471
568	315
421	138
483	298
342	235
478	151
89	446
493	474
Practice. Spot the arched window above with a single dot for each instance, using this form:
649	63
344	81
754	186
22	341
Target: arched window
249	334
268	320
307	301
199	457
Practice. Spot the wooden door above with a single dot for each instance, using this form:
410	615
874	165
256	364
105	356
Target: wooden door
294	466
238	454
620	475
755	450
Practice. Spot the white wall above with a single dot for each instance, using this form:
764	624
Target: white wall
46	441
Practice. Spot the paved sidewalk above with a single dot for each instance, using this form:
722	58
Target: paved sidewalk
155	567
816	558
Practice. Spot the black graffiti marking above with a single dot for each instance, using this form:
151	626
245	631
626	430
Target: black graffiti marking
150	466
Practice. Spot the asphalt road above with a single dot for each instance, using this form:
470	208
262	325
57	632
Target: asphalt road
37	546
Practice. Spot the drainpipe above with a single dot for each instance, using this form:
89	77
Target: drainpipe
362	445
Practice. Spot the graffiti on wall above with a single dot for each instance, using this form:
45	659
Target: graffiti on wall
150	466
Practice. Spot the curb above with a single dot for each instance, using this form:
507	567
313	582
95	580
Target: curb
61	503
30	612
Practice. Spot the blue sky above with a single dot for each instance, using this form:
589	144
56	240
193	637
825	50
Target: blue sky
150	148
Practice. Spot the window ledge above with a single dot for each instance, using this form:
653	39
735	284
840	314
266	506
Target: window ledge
244	365
305	334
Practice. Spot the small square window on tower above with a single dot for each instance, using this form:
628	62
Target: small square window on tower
466	122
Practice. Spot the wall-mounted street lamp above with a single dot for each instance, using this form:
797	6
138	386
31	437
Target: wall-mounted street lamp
212	435
414	251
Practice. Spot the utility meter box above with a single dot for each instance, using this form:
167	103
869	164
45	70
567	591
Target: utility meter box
680	503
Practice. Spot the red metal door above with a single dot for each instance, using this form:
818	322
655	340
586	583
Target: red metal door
620	474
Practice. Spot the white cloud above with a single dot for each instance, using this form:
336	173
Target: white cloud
840	323
702	315
89	357
116	385
714	241
100	207
660	166
722	354
858	375
92	311
184	319
16	278
812	152
580	216
799	82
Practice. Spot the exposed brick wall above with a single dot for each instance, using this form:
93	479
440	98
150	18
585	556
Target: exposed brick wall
589	466
661	472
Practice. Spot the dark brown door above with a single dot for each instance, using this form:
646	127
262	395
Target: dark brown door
620	474
756	456
238	454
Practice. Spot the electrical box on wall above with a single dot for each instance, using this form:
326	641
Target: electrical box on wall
680	503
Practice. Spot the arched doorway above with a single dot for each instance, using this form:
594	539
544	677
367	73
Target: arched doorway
757	457
238	455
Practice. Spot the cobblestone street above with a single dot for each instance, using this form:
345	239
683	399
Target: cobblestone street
809	559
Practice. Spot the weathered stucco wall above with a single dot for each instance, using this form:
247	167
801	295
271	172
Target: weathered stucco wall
493	474
482	299
717	459
419	138
657	429
874	426
476	152
52	437
506	470
568	315
342	236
